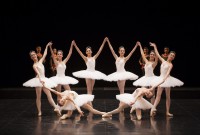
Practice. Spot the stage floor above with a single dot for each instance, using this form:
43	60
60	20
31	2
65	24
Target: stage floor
19	116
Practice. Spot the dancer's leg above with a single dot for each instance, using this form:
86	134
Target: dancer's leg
38	91
168	102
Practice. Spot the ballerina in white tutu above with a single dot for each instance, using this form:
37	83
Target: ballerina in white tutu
146	80
70	100
121	75
165	69
90	74
61	79
36	82
134	100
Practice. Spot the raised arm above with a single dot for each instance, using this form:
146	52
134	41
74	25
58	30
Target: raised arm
45	52
70	53
130	54
111	49
81	54
142	52
52	55
100	49
156	51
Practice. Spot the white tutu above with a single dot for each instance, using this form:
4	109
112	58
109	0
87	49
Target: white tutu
89	74
35	82
80	100
169	82
64	80
122	75
140	103
144	81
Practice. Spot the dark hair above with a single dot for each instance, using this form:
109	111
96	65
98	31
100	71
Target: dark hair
146	48
173	52
121	47
31	52
166	47
152	51
60	51
38	47
88	47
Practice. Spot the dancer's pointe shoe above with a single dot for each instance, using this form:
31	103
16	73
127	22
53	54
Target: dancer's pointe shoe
153	112
139	117
65	116
102	113
57	111
169	115
39	114
106	118
106	115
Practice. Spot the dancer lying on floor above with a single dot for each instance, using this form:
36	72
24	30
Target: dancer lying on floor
135	100
70	100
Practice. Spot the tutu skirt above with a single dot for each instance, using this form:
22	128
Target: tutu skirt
35	82
144	81
97	75
125	75
169	82
80	100
140	103
64	80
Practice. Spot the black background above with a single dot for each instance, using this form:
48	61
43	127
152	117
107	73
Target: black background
26	24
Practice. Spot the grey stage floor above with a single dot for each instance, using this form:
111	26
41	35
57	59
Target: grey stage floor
19	116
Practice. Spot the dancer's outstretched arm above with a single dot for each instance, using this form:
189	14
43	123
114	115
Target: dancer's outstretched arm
111	49
80	53
156	51
142	52
100	49
45	52
130	54
70	52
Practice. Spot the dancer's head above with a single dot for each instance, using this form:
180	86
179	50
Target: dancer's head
89	51
59	54
149	94
146	50
38	49
54	50
171	56
121	50
61	102
152	55
166	49
33	55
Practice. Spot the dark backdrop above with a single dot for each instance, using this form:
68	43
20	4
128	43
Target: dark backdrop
26	24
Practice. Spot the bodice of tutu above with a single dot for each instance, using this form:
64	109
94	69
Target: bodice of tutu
90	64
164	68
120	63
40	68
148	70
61	69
